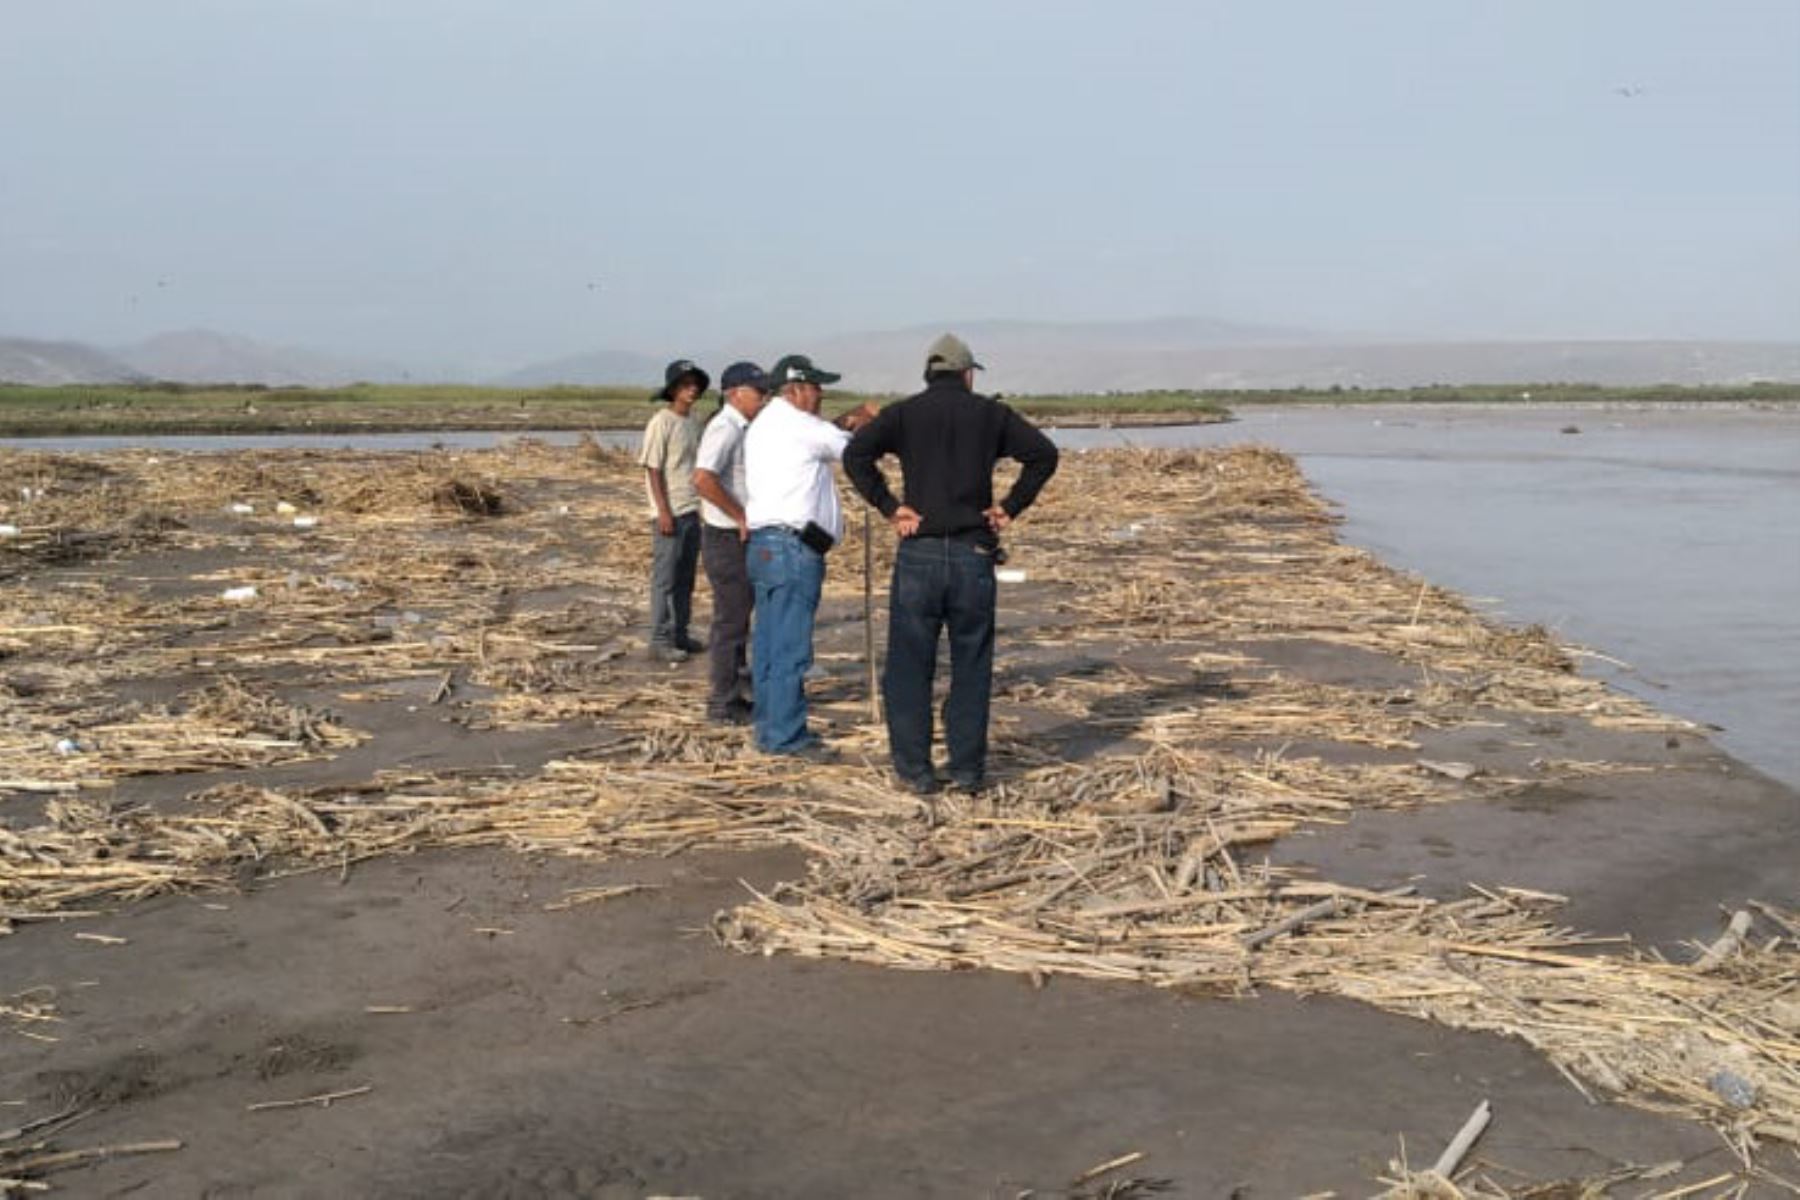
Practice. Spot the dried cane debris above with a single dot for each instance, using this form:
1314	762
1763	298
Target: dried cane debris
1134	861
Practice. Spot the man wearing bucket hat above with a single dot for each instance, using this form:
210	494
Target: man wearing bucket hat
948	438
667	456
794	520
724	528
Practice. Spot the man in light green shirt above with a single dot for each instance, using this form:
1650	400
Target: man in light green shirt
671	440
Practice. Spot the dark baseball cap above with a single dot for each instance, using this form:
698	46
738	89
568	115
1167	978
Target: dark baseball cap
745	374
797	368
677	371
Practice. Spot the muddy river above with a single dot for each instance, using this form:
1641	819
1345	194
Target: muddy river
1667	539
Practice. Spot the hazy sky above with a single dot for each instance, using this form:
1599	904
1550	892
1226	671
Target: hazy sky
441	181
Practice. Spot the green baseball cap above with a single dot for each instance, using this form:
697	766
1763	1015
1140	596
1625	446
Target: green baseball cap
797	368
951	353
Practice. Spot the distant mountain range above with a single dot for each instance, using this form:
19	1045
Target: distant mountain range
596	368
191	356
201	356
23	360
1022	357
1038	358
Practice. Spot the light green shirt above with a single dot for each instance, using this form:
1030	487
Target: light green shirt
670	443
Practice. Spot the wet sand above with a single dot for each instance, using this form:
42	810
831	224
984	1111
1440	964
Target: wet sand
613	1050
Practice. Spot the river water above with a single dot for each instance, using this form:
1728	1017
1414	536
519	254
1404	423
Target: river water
1666	538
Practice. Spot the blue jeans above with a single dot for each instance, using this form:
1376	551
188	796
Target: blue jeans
938	584
787	578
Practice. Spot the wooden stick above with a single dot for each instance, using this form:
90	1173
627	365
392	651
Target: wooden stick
1111	1164
70	1158
324	1100
869	617
1453	1154
1327	907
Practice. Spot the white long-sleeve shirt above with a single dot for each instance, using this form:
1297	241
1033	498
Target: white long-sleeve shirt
787	469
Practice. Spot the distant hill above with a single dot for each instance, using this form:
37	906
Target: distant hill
623	367
202	356
23	360
1022	357
1029	357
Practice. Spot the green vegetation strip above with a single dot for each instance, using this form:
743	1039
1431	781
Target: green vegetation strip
171	408
370	408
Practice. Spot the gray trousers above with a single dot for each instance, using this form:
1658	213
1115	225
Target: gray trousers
672	562
729	642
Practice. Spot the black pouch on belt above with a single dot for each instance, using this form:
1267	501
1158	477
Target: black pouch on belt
814	537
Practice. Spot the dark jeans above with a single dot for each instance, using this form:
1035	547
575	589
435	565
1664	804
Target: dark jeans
723	555
787	577
939	583
672	562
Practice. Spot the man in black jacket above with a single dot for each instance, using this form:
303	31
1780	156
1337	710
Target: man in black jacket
947	438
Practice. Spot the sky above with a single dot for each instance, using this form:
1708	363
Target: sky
471	185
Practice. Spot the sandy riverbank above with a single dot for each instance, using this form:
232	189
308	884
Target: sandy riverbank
447	706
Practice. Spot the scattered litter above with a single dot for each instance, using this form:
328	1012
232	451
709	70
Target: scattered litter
1010	575
9	531
306	522
67	746
1459	771
240	508
1733	1088
285	509
387	1010
239	595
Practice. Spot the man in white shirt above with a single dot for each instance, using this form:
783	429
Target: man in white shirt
719	478
794	518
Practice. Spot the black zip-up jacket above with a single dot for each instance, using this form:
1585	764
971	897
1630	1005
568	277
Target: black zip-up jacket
948	439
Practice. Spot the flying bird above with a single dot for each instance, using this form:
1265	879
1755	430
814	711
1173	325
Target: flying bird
1629	92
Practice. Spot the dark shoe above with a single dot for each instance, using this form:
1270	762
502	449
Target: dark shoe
735	713
969	786
812	752
668	654
923	785
690	645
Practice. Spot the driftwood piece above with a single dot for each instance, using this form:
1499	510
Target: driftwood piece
1728	943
